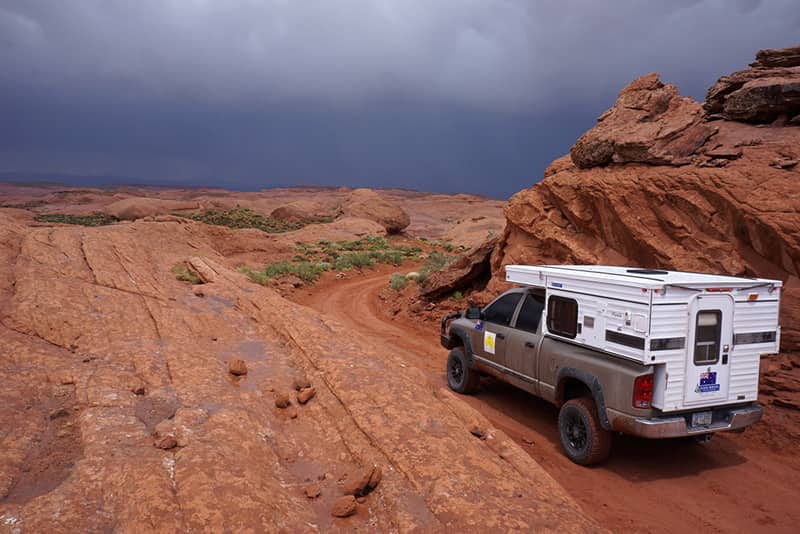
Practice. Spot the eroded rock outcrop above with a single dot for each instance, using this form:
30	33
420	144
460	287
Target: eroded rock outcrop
649	123
769	90
467	272
620	199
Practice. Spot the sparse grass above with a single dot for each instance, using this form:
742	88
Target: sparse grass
398	282
305	271
238	218
310	260
95	219
183	274
436	261
457	295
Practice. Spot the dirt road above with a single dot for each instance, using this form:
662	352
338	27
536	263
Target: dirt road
733	484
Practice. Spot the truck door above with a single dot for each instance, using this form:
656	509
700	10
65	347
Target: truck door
710	342
494	329
522	349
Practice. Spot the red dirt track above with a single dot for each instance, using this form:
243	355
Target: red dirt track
735	483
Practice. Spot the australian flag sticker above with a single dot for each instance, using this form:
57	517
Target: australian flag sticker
708	382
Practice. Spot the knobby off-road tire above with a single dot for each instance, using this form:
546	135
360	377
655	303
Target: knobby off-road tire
460	377
583	439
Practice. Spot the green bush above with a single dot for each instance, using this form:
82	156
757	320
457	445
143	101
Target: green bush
457	295
95	219
398	282
306	271
238	218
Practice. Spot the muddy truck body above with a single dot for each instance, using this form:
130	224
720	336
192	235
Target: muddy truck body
651	353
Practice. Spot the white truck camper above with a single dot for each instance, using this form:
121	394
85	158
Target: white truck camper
703	334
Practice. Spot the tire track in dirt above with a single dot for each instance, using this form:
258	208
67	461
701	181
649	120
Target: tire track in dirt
727	485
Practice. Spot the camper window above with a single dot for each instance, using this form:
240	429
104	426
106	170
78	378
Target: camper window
562	316
531	313
706	337
501	310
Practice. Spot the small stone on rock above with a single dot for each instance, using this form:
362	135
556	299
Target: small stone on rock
237	367
344	506
306	395
167	442
301	383
313	491
477	431
282	400
61	412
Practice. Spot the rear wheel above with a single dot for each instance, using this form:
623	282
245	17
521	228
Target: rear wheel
583	439
460	377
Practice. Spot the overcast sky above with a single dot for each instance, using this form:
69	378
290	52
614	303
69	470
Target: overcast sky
437	95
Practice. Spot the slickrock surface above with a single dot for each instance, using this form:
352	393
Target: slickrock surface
118	412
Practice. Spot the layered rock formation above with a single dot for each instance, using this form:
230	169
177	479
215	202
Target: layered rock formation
769	90
659	182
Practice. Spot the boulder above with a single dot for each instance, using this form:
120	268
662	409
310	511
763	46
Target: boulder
138	207
649	123
302	211
306	394
471	269
367	204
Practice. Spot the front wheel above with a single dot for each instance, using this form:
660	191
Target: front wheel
460	377
583	439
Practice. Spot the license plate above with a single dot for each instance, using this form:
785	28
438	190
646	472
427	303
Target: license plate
701	419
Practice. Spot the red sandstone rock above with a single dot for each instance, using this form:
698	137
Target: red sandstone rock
237	367
306	394
282	400
367	204
344	506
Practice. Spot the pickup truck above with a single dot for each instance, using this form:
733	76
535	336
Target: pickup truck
597	393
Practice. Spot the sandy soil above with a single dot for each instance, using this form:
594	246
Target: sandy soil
735	483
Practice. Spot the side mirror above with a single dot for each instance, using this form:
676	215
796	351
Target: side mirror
474	312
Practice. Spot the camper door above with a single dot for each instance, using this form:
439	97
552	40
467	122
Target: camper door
709	346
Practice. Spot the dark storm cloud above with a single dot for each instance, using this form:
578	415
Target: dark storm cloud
445	94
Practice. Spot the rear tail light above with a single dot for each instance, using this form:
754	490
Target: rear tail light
643	391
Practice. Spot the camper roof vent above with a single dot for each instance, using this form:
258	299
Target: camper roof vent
647	271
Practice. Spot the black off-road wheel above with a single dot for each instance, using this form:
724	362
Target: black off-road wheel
583	439
460	377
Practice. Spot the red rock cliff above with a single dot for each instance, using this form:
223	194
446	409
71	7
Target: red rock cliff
663	181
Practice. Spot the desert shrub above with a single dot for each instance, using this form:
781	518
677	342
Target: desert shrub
95	219
306	271
353	260
457	295
238	218
183	274
398	282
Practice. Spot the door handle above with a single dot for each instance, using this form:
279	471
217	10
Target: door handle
500	336
530	345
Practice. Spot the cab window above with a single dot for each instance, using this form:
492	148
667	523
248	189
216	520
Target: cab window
562	316
531	313
502	310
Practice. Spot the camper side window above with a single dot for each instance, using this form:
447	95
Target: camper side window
562	316
706	337
502	310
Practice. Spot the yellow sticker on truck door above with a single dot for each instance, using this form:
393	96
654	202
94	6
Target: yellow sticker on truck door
488	342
